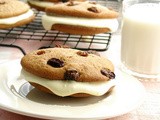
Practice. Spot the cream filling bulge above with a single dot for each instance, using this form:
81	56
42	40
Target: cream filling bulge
69	87
48	21
41	3
15	19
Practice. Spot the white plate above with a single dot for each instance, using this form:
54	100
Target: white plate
16	95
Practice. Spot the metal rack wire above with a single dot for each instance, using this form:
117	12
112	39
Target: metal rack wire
33	34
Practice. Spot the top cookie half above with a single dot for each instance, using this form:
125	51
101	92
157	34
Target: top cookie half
59	63
86	9
42	4
11	8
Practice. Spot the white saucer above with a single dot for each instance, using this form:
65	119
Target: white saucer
16	95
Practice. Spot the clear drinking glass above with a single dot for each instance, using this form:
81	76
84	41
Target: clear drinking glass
140	42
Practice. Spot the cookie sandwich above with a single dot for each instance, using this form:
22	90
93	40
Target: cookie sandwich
42	4
82	18
68	72
14	13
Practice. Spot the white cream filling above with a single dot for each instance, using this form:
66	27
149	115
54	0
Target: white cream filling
15	19
41	3
48	21
69	87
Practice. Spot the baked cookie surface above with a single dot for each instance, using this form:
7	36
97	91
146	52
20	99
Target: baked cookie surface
14	13
58	63
86	9
8	8
42	4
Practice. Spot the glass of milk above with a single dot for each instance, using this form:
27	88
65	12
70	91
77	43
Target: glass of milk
140	38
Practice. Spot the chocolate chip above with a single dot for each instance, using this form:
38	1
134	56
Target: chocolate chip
54	62
64	0
71	74
82	53
40	52
93	52
108	73
93	9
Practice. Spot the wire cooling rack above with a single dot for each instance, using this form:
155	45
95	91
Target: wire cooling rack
33	36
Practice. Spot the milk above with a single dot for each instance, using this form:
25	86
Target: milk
140	46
